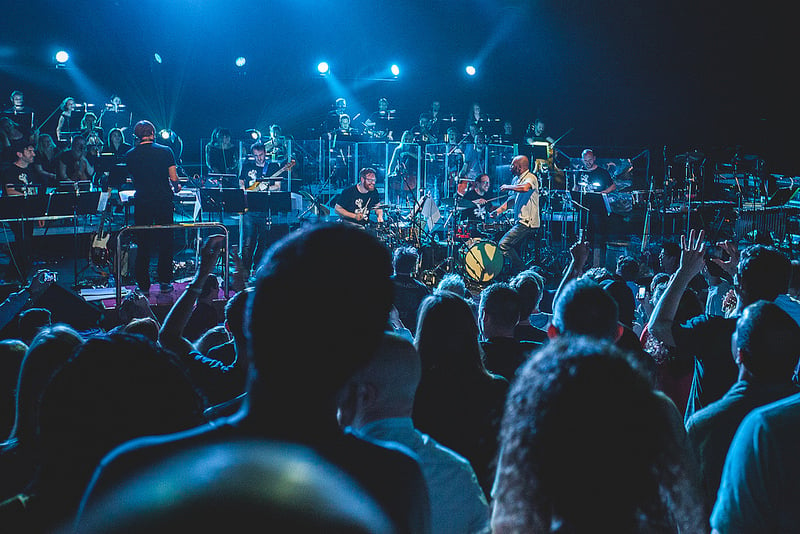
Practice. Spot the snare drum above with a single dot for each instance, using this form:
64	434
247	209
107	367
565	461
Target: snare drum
481	259
408	232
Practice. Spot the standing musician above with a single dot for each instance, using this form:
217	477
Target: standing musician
379	123
355	202
403	169
526	211
155	177
20	113
276	144
421	133
436	121
256	169
67	126
595	179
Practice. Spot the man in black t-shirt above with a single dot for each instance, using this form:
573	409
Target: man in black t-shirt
155	177
594	179
476	201
357	201
17	179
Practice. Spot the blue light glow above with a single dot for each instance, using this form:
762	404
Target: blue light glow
323	68
395	70
62	56
470	70
240	61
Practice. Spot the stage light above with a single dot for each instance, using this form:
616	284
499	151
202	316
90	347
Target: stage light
61	57
395	70
171	139
255	135
323	68
157	57
470	70
240	61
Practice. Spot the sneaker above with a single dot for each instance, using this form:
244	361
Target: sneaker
166	288
142	290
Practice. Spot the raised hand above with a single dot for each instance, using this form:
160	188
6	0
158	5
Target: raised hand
730	248
692	253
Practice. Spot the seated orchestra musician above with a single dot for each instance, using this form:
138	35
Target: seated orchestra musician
378	125
73	165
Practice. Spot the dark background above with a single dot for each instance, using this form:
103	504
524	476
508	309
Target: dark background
709	76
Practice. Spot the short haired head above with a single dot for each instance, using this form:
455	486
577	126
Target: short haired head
144	326
362	174
584	308
258	146
500	303
31	320
454	283
762	273
530	288
144	130
339	262
404	260
388	384
623	296
627	268
767	341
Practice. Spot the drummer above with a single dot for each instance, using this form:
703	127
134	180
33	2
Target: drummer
476	201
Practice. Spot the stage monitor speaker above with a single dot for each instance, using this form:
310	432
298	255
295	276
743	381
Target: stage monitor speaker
69	308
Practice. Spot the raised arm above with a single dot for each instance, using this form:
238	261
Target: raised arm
692	260
171	334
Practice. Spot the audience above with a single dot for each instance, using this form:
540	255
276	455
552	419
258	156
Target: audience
404	429
19	455
581	456
498	317
112	389
297	377
766	346
458	403
408	291
760	485
761	273
377	403
532	322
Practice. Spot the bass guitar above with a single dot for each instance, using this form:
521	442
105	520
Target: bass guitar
263	185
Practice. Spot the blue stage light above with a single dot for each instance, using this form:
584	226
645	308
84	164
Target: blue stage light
470	70
62	57
395	70
323	68
240	61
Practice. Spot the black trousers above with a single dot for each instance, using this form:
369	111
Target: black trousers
145	213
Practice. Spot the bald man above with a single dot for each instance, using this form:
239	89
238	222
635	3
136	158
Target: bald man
526	212
376	404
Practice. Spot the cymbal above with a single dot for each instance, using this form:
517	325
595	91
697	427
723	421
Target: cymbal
693	156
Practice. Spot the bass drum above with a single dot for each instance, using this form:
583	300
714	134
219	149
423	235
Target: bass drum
481	259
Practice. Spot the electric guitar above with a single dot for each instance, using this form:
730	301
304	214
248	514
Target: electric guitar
99	253
263	185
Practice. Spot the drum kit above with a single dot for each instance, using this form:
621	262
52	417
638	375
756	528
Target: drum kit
460	244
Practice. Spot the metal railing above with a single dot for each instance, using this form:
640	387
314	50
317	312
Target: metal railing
126	229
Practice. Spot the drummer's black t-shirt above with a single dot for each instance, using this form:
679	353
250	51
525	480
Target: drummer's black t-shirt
355	201
474	212
597	179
